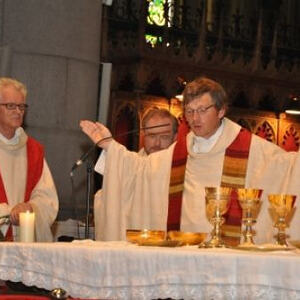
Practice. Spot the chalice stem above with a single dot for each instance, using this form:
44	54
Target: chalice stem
281	236
217	228
249	232
217	232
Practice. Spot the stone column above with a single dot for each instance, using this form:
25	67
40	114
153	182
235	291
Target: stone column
55	49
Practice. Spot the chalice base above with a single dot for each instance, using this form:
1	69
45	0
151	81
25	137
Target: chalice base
247	245
281	240
247	238
214	242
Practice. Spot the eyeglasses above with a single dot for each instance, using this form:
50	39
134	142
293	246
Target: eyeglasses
13	106
199	111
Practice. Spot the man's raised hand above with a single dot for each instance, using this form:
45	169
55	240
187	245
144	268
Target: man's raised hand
97	132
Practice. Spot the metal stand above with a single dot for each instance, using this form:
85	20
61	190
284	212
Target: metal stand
89	170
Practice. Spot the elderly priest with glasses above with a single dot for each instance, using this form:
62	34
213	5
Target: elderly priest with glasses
165	190
26	183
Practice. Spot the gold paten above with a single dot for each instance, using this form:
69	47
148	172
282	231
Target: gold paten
138	236
187	238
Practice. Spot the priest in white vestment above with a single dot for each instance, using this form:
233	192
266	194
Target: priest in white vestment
155	137
140	185
26	183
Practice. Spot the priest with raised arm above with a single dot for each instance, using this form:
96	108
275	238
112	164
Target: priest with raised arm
159	131
165	190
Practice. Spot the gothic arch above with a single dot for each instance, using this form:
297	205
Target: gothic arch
266	131
291	139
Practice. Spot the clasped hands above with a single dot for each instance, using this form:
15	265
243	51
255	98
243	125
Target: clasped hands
97	132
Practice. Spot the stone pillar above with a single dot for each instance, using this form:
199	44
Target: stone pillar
55	50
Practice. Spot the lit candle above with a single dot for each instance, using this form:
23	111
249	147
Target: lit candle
27	227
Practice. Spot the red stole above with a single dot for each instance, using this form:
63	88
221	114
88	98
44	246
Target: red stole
234	176
35	162
234	172
177	178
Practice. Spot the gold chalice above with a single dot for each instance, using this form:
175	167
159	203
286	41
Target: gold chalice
249	200
281	207
217	200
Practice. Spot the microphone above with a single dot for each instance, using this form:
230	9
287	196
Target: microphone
85	155
82	159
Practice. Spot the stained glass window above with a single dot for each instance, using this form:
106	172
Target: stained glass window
156	17
156	12
153	40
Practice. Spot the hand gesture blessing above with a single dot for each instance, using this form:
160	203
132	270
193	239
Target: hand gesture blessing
97	132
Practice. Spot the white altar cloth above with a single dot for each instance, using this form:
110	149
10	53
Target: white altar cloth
119	270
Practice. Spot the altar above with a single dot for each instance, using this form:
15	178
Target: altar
120	270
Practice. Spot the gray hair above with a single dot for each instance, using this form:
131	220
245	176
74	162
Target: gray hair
19	86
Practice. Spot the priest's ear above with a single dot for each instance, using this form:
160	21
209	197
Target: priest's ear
222	112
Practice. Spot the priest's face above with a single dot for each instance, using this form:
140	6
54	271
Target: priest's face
160	138
203	117
11	116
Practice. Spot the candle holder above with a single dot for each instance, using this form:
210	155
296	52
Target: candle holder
281	207
217	200
249	200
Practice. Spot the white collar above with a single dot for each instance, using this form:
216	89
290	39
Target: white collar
204	145
14	140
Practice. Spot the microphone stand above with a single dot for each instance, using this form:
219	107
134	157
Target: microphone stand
89	171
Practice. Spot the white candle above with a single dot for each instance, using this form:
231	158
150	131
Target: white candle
27	227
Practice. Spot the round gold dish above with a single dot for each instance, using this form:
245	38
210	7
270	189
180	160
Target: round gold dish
138	236
187	238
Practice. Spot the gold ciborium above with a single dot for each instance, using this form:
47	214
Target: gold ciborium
217	200
249	200
281	207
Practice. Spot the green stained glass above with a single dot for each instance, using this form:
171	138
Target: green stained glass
156	17
153	40
156	12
